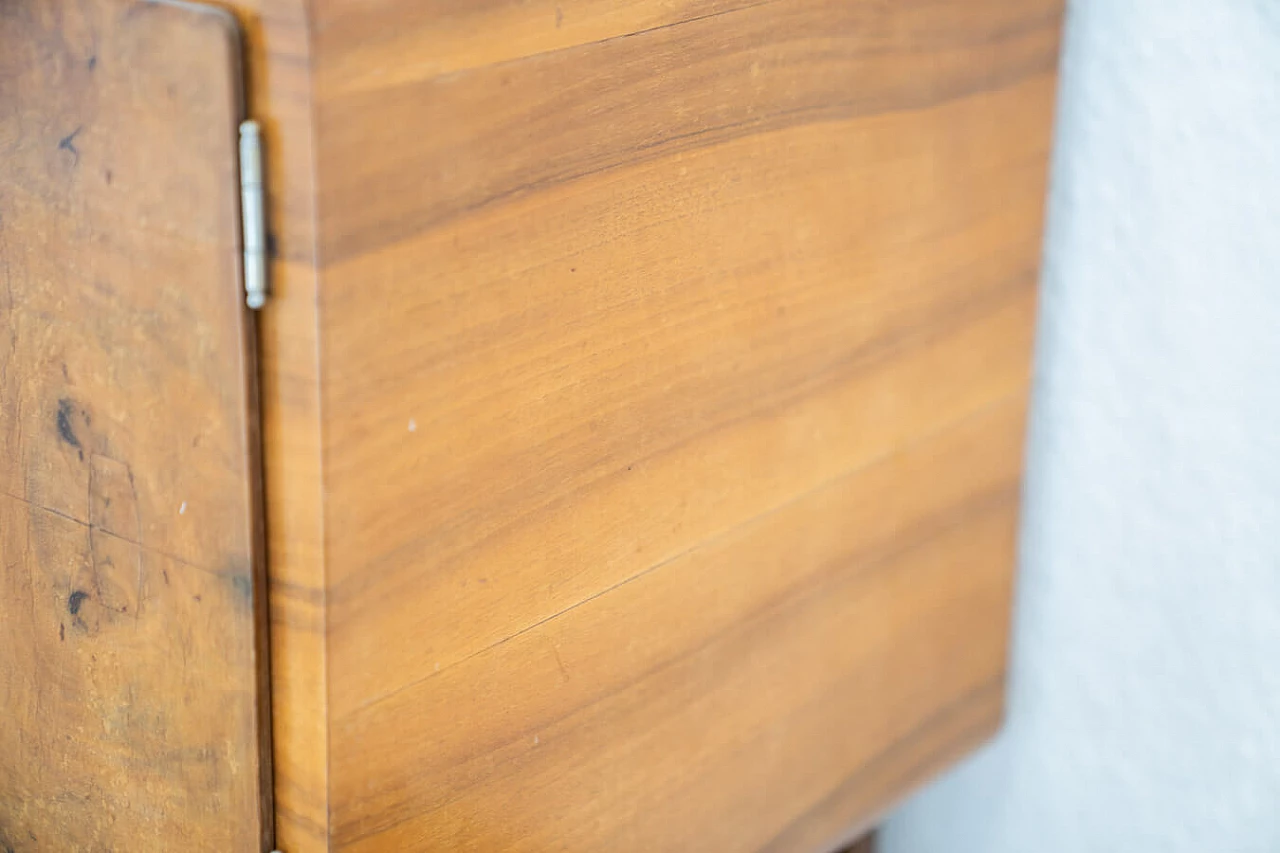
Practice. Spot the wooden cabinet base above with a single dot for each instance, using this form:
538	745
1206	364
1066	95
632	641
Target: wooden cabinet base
642	398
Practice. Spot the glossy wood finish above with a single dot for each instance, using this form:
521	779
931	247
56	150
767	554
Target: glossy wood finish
673	366
130	670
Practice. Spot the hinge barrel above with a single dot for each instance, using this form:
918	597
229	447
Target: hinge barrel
253	215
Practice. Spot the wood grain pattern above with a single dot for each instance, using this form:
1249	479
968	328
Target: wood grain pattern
466	140
673	366
130	605
772	381
731	682
382	43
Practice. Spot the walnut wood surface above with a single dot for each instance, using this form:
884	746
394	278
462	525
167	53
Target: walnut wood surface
129	661
673	360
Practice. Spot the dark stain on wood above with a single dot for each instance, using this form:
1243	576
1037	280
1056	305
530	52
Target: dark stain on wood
66	431
67	143
243	585
75	601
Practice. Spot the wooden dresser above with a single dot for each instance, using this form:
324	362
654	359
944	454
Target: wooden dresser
626	457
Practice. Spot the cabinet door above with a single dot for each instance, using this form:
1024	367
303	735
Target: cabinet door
131	664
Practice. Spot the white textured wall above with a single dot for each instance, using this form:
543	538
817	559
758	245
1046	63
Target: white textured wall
1145	688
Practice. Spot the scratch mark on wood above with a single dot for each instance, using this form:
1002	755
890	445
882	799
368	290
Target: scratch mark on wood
93	558
564	671
182	561
137	527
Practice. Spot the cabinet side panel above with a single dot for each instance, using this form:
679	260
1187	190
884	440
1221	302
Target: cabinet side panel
673	384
